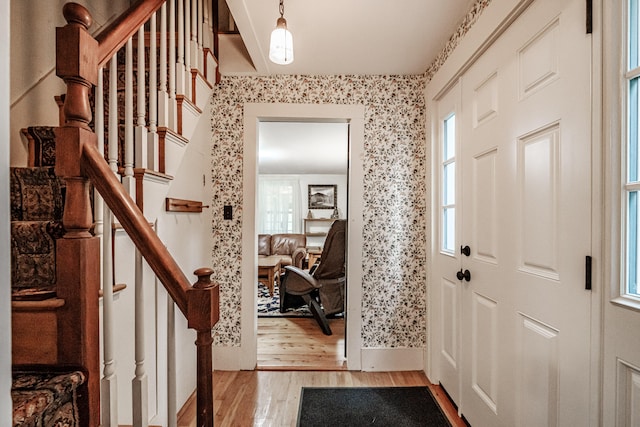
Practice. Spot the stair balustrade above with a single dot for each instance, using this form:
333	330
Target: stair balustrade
89	150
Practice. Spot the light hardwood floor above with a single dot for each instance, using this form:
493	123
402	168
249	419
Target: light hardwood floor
294	353
271	398
299	344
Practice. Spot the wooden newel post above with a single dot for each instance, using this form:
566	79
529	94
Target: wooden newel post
78	253
77	65
203	312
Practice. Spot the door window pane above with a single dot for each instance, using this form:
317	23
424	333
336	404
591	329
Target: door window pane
449	229
634	35
632	146
632	152
449	140
449	184
448	188
632	244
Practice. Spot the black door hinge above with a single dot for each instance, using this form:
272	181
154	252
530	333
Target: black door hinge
587	271
589	16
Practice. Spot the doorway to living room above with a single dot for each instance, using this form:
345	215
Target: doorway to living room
254	113
302	189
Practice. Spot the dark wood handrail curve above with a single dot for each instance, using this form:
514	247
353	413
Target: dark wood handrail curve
116	34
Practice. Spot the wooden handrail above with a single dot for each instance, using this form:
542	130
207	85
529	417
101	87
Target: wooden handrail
136	225
115	35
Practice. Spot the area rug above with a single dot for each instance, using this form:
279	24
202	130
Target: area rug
269	306
366	406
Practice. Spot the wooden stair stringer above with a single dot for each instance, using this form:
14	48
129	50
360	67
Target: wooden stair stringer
201	89
151	190
171	146
188	115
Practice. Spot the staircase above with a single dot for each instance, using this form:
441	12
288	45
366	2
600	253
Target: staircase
43	394
57	237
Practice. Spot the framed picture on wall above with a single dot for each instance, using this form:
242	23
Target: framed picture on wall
323	196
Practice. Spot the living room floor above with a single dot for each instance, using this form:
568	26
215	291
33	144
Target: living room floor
299	344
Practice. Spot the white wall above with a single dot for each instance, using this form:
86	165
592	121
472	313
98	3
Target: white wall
33	79
188	237
5	276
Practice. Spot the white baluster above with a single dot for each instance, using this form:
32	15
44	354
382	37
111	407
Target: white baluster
180	67
113	114
109	381
187	49
172	410
205	40
200	38
139	384
163	95
128	180
173	106
99	130
152	138
141	155
194	35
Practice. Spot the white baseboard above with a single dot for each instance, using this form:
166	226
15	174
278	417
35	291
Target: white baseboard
393	359
231	359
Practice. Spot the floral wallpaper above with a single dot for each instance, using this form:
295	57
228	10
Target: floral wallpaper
393	306
395	211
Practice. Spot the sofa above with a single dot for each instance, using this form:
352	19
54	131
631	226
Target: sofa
289	248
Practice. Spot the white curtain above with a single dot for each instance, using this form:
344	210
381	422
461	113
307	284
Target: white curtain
279	205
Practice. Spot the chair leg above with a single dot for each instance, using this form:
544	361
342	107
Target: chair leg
318	314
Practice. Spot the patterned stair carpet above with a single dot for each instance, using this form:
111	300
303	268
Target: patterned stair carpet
269	306
46	399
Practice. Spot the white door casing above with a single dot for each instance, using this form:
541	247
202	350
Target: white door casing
621	313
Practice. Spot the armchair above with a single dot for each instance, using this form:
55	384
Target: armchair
323	288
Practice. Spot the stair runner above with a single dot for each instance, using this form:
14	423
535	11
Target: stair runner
44	399
46	396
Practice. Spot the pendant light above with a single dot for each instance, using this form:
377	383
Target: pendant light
281	46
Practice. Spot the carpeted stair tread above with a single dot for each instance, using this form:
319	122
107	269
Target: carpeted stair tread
44	145
37	202
37	194
45	399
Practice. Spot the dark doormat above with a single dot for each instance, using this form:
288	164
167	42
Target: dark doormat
369	406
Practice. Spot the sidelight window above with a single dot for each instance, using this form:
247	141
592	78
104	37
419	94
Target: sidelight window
631	177
448	180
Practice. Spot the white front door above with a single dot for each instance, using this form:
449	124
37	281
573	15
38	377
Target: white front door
524	164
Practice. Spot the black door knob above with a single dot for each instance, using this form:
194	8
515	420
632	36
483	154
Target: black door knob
466	250
466	275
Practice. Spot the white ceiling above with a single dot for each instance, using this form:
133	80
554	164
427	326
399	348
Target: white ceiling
303	148
334	37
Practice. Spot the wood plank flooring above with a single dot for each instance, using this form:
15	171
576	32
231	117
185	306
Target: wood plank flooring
299	344
294	353
271	398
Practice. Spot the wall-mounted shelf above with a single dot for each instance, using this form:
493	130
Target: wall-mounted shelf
324	223
181	205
